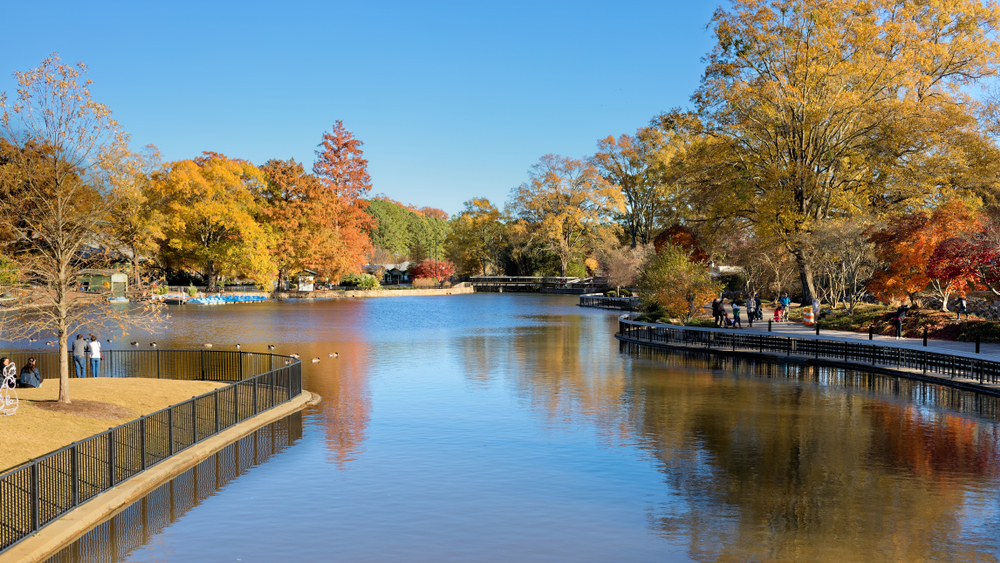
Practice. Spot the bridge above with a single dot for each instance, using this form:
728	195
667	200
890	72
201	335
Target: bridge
532	284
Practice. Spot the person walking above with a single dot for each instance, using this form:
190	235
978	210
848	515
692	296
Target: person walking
786	302
736	314
963	307
29	376
79	352
95	355
715	311
757	305
751	311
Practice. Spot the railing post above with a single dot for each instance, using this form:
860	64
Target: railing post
142	442
111	459
203	365
925	337
35	500
255	395
194	420
170	431
769	321
977	343
871	332
74	468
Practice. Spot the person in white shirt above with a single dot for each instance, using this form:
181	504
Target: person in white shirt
94	353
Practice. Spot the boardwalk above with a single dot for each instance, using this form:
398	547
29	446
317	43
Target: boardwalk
950	363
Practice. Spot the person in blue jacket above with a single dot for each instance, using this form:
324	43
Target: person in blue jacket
29	375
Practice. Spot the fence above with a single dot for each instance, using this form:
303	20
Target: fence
602	302
945	365
39	492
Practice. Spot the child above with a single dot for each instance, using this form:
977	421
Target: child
777	314
736	314
726	321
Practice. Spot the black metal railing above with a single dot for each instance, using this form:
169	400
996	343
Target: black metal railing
36	493
604	302
950	365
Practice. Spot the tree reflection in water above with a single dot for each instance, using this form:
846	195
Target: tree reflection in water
794	470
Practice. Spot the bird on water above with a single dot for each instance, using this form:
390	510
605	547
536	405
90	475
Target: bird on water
207	345
315	360
134	343
237	345
270	346
152	344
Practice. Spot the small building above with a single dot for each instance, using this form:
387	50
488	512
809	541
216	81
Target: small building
104	280
395	276
305	280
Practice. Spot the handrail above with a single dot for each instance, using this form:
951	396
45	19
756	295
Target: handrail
36	493
952	365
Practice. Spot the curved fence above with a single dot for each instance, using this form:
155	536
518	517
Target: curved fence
603	302
953	366
35	494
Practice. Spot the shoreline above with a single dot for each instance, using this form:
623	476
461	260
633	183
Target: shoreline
371	293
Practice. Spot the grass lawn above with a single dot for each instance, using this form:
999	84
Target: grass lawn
40	427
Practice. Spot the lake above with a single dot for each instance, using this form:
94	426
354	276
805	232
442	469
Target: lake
504	427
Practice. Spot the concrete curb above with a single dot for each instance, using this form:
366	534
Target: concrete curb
50	539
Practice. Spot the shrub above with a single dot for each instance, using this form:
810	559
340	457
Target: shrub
676	283
363	281
161	290
192	290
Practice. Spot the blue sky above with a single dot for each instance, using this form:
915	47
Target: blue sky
452	99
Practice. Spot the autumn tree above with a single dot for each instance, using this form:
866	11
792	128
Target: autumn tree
210	213
832	108
440	270
134	226
343	170
905	245
477	238
969	261
295	207
564	203
621	265
643	168
674	282
52	211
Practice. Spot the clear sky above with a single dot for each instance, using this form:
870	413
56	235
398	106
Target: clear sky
453	100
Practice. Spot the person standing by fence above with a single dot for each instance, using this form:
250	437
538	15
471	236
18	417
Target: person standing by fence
79	352
94	348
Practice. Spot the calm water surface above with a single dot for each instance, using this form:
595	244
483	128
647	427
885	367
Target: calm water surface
510	428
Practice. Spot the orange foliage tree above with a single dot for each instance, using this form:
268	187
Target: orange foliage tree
437	269
343	170
905	247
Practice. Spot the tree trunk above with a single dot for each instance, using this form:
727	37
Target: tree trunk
210	277
805	276
63	366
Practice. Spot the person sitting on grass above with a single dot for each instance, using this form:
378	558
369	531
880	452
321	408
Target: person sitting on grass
29	375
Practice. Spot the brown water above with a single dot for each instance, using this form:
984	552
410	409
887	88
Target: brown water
511	428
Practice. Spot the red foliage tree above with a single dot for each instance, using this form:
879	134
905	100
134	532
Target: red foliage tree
972	261
437	269
905	247
343	170
684	237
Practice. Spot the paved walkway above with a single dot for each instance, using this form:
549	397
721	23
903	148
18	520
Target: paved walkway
799	330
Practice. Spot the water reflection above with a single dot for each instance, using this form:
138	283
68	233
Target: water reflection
798	469
118	537
512	428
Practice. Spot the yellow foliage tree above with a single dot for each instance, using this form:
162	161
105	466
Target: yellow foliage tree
565	204
827	108
209	215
